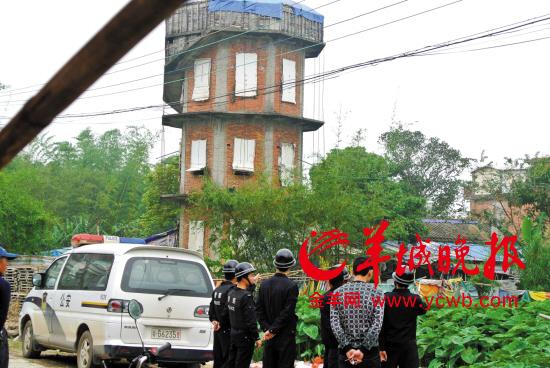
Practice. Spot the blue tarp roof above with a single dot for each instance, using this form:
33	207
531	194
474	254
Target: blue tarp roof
268	8
56	252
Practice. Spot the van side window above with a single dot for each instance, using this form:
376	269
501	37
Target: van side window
86	272
51	275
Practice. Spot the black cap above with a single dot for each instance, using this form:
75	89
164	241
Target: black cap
229	266
406	278
243	269
284	259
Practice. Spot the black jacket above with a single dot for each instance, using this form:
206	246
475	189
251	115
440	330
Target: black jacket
399	326
5	295
242	316
329	340
218	305
276	308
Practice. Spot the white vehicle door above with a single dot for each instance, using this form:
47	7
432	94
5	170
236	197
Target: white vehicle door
81	285
42	298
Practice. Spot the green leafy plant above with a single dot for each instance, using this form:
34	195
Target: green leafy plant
469	337
308	334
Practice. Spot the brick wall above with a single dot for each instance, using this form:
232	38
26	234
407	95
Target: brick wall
285	134
194	106
248	104
288	108
197	132
245	131
282	133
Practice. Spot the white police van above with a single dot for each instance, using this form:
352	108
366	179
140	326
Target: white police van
80	305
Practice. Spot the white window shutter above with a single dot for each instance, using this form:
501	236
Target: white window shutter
243	154
196	236
246	74
201	88
198	155
286	163
289	81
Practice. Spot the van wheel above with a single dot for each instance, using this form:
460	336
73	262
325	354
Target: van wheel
85	351
29	347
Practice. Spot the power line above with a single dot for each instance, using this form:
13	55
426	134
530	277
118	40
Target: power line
166	57
225	58
332	73
489	47
286	52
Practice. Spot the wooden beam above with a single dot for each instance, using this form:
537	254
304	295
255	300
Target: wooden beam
110	44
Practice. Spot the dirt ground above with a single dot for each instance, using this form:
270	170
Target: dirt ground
48	359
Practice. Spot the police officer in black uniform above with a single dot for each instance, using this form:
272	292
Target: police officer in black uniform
219	314
397	338
329	340
277	313
242	316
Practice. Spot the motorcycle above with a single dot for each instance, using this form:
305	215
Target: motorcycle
148	356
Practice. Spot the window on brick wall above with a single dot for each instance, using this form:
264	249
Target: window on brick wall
243	155
196	236
286	163
201	85
198	156
289	81
246	74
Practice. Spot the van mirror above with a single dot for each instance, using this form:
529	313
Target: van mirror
135	309
37	279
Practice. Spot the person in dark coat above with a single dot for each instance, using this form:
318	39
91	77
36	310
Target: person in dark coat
242	317
276	310
5	296
398	335
331	358
219	314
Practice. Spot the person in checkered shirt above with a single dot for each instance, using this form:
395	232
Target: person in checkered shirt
356	322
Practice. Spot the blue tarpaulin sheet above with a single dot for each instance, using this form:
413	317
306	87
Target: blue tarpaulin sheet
268	8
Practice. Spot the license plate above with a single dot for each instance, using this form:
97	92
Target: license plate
162	333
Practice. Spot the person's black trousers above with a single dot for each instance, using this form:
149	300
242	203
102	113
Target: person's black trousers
370	360
4	349
222	343
403	355
240	356
331	358
280	351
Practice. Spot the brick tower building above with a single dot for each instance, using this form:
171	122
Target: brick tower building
233	73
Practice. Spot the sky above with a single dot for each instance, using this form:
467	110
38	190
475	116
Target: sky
493	100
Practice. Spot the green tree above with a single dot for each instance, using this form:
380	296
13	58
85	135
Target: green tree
350	189
357	191
254	221
534	190
159	216
94	184
429	166
24	222
536	252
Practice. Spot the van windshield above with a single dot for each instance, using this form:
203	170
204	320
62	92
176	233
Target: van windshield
150	275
